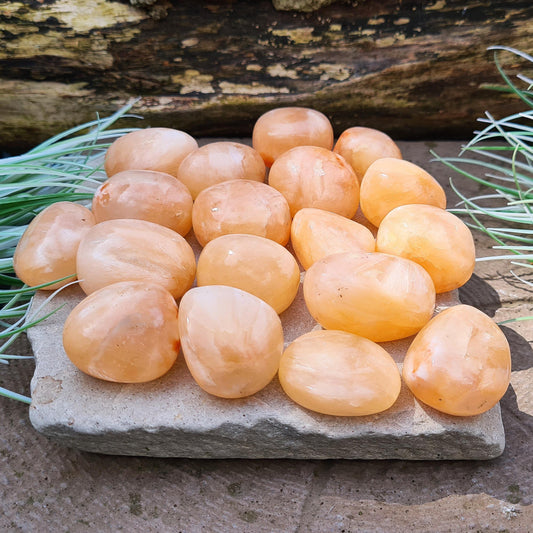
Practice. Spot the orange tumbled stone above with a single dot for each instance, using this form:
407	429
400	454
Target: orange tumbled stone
310	176
432	237
390	182
160	149
254	264
362	146
241	206
126	332
460	363
378	296
145	195
316	233
338	373
220	161
135	250
47	249
232	341
283	128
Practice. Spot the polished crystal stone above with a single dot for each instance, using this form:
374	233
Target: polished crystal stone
283	128
459	363
135	250
145	195
160	149
338	373
390	182
47	249
310	176
254	264
432	237
316	233
378	296
220	161
362	146
241	206
232	341
126	332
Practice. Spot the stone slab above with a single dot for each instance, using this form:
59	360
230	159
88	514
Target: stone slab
173	417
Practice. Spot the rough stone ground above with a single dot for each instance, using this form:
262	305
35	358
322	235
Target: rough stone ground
46	487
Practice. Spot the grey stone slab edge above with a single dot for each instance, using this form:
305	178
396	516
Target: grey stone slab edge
173	417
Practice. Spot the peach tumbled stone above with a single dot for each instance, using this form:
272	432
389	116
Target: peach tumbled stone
460	363
378	296
283	128
135	250
145	195
338	373
126	332
362	146
220	161
47	249
241	206
316	233
232	341
310	176
432	237
160	149
390	182
254	264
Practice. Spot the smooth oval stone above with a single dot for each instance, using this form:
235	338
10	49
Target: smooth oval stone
47	249
126	332
432	237
220	161
310	176
254	264
338	373
378	296
160	149
316	233
390	182
459	363
145	195
283	128
232	341
135	250
241	206
362	146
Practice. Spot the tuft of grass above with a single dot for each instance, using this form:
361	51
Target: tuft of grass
66	167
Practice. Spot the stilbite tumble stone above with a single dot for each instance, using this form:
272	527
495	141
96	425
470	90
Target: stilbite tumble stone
232	341
378	296
460	363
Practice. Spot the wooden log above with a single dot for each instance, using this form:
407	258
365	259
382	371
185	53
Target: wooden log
414	69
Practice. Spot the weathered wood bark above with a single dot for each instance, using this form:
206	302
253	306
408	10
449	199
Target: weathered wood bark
414	69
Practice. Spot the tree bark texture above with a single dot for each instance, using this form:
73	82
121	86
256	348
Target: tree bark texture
415	69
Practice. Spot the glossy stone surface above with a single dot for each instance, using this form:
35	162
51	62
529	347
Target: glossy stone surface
283	128
390	182
232	341
160	149
145	195
460	363
254	264
241	206
316	233
432	237
310	176
362	146
375	295
126	332
47	249
338	373
135	250
220	161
